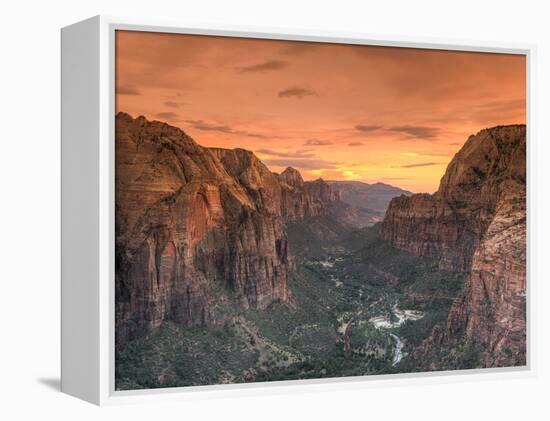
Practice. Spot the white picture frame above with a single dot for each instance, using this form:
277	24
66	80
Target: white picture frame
88	113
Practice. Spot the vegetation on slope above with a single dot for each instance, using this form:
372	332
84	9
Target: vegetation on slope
342	280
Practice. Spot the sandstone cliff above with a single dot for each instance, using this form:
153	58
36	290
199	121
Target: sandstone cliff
300	199
198	228
476	223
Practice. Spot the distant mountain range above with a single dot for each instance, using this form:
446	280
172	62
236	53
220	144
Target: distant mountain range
371	197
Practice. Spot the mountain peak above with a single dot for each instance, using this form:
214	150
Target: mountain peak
491	154
292	177
141	127
291	170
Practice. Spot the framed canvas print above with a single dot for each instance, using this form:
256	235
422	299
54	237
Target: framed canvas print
245	209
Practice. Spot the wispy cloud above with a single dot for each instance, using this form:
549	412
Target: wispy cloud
304	164
202	125
418	132
366	128
422	164
317	142
266	66
297	92
355	144
424	154
127	90
168	115
171	104
296	154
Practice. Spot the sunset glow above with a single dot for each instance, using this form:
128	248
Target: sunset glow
340	112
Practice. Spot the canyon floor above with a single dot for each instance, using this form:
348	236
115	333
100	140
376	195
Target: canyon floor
358	307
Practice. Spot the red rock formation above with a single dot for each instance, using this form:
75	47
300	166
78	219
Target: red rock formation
197	228
300	199
493	308
476	223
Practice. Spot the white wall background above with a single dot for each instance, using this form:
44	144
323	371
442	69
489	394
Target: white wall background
30	178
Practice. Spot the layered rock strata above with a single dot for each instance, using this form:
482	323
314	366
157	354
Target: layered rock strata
197	228
476	223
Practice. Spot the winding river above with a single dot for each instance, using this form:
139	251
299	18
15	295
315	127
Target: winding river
383	323
398	350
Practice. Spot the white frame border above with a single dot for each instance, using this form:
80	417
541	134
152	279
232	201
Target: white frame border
107	394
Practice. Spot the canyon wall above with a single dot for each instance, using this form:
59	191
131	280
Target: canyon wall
300	199
199	228
476	223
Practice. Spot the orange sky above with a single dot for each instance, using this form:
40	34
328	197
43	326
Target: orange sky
394	115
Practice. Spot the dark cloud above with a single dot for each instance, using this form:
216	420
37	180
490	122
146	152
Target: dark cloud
317	142
172	104
202	125
355	144
169	115
418	132
251	134
297	154
304	164
264	67
367	128
296	92
127	90
423	164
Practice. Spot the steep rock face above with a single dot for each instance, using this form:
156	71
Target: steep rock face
188	229
476	223
493	308
197	228
450	223
425	225
260	183
301	199
292	178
